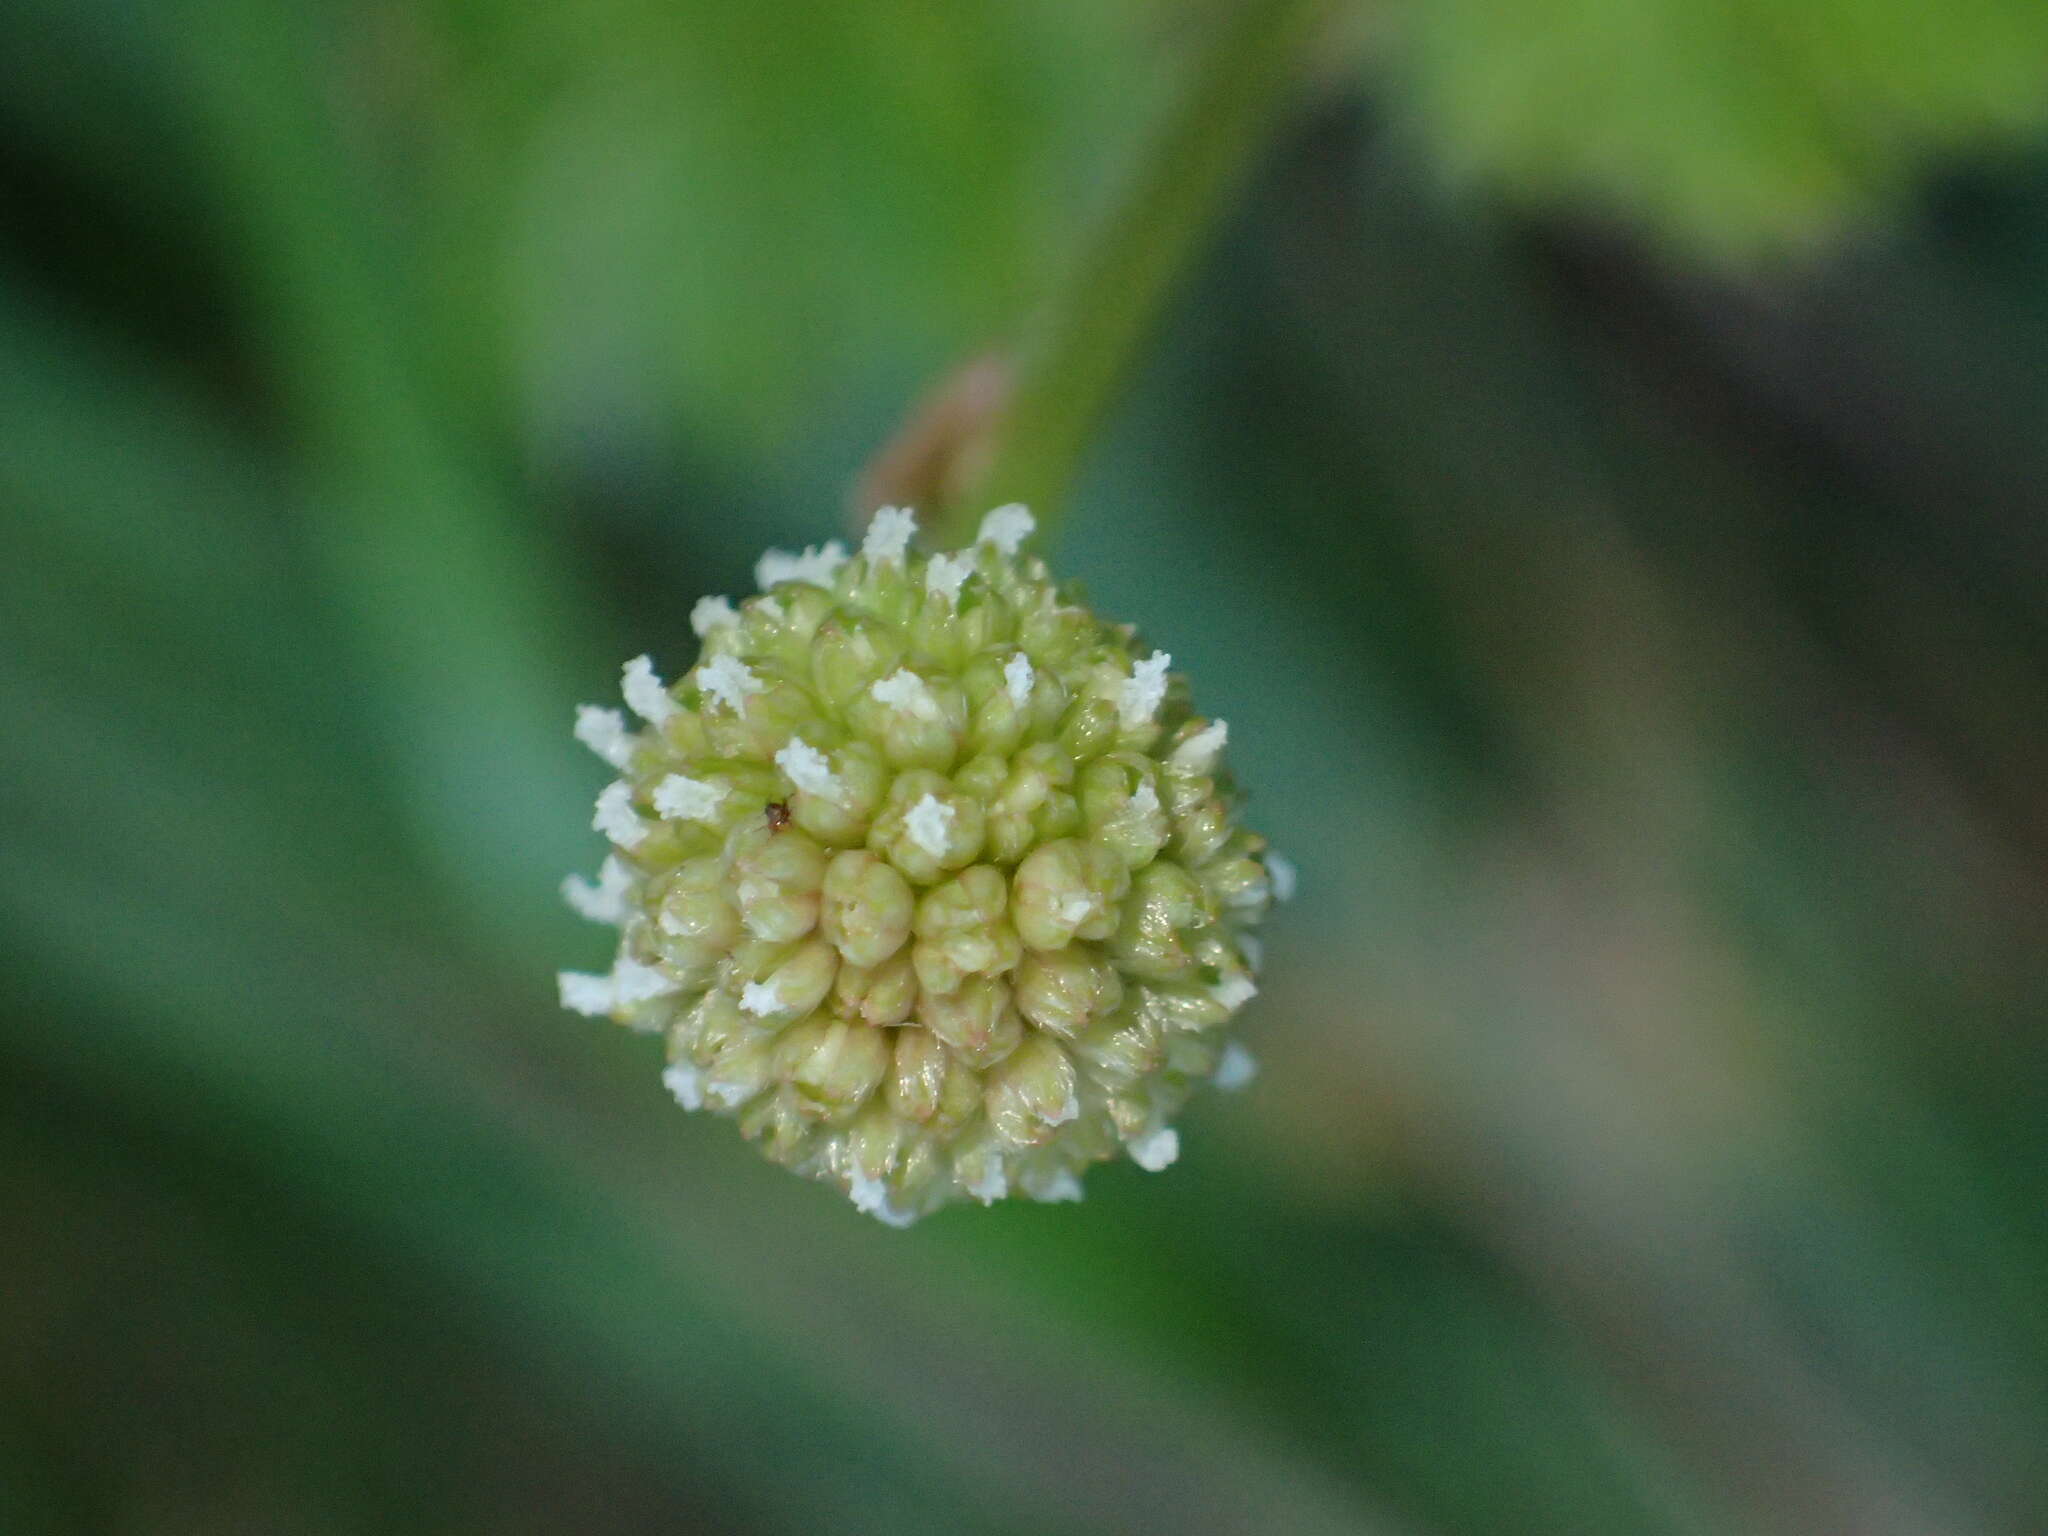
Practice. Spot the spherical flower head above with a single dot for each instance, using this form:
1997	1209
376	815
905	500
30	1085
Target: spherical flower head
928	876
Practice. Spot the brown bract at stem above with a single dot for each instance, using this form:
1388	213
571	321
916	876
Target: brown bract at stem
943	445
1014	426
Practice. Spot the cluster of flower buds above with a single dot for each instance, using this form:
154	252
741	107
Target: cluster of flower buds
927	874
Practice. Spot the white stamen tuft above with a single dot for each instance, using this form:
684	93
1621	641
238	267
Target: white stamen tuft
1019	678
633	982
989	1185
772	607
616	818
889	533
945	574
584	993
871	1198
1052	1188
1198	753
630	982
1067	1111
1007	527
1280	870
903	689
604	901
713	613
759	998
1145	801
816	565
1137	701
1234	991
685	799
645	694
604	732
1253	948
808	768
727	679
929	822
1235	1068
686	1083
1155	1150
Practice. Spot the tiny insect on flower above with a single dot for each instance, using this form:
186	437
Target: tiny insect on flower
928	876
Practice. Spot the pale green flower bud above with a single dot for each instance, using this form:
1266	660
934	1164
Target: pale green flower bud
961	930
740	1070
776	881
977	1022
1189	1007
1119	798
851	656
1088	728
1067	890
1033	1093
840	818
876	1141
712	1024
929	1084
918	1074
794	987
1200	834
927	827
928	874
833	1065
868	907
1123	1049
1063	990
918	720
1165	902
1031	805
1238	880
879	995
1008	698
780	1121
696	917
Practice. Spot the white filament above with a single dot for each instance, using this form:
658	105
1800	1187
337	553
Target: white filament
604	732
615	816
727	679
1198	753
1155	1150
645	693
1019	678
605	900
713	613
808	768
903	689
1007	527
945	574
929	822
684	799
1138	700
888	536
816	565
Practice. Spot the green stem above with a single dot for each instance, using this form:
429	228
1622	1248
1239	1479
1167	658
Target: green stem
1077	354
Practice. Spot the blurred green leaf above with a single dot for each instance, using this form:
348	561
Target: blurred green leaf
1730	129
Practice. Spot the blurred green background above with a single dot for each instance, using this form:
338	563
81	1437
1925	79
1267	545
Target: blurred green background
1599	464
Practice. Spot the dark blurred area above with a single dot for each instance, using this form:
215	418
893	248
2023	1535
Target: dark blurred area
1620	548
